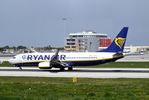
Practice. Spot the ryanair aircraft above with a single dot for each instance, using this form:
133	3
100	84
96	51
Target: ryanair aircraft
63	60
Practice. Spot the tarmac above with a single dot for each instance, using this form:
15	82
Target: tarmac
77	72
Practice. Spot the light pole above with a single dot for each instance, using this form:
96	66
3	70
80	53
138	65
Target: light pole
64	29
64	25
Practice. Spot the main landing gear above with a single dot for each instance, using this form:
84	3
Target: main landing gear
70	68
63	68
19	67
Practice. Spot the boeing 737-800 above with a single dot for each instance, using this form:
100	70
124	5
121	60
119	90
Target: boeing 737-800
63	59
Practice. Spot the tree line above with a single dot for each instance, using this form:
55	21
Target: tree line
24	47
13	47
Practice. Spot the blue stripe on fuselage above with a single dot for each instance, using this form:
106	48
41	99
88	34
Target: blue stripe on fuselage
90	63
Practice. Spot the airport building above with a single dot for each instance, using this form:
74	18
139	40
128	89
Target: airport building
136	49
86	41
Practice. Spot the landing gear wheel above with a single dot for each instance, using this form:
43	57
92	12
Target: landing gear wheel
19	67
62	68
70	68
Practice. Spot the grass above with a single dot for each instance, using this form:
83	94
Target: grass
25	88
6	64
122	65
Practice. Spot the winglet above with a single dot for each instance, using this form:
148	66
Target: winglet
118	43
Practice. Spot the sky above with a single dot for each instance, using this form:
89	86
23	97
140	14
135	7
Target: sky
41	23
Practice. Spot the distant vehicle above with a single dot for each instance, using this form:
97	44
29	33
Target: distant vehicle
62	59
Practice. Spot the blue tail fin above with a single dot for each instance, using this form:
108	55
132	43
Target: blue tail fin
118	43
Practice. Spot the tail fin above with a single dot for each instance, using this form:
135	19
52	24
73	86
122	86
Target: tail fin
118	43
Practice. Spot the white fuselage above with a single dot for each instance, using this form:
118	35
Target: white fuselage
72	59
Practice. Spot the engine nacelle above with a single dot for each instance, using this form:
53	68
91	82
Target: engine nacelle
44	65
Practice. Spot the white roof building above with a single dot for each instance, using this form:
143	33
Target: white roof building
83	41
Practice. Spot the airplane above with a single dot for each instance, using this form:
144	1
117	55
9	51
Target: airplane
62	60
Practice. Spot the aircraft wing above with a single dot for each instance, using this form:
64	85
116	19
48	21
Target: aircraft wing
55	62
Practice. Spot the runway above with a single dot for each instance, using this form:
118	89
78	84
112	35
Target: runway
77	72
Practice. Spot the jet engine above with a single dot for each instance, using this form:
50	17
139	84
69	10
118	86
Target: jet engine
44	65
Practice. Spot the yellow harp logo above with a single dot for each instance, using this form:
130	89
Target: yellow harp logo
119	41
